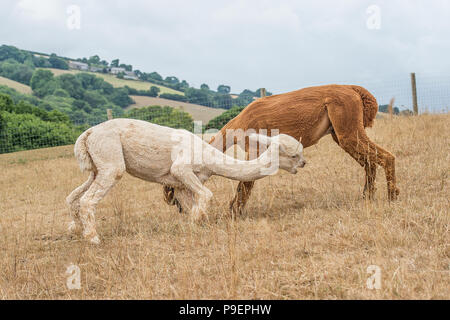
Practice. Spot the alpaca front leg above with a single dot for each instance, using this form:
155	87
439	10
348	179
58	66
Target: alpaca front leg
184	198
196	214
195	204
201	204
192	183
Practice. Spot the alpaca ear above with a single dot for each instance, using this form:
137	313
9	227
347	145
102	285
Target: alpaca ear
260	138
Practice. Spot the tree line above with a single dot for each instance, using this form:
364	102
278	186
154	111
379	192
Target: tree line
24	125
20	65
221	98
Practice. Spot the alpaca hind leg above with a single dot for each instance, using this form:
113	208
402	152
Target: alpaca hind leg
73	202
369	187
374	155
110	164
348	127
369	155
103	182
370	169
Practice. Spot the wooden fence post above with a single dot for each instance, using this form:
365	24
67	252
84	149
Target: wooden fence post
414	93
109	114
391	107
263	92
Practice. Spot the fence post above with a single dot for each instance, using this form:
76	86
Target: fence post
263	92
391	107
109	114
414	93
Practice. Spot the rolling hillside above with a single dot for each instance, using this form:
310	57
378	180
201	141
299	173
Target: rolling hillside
197	112
139	85
15	85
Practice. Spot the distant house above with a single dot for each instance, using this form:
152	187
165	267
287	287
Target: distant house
95	69
130	75
117	70
78	65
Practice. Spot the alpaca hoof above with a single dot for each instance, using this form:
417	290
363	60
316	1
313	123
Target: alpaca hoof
178	204
73	227
91	236
393	194
236	209
369	192
169	195
367	195
198	217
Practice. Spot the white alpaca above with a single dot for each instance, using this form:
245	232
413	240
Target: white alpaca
171	157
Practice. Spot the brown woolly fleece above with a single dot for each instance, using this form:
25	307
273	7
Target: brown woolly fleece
311	113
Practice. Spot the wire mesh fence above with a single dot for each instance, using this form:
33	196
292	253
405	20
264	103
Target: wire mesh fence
433	96
433	91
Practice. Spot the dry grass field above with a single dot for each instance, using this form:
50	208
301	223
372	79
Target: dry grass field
198	112
304	236
22	88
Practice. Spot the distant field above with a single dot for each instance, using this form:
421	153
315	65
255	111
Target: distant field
198	112
139	85
15	85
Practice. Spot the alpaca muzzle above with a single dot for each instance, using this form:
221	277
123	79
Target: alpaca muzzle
302	164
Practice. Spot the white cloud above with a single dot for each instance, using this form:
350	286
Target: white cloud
282	45
258	14
39	10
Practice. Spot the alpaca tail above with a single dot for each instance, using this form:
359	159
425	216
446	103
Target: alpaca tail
82	154
370	105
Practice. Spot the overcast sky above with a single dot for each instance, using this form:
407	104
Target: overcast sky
280	45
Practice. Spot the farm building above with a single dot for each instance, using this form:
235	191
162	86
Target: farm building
78	65
117	70
95	69
130	75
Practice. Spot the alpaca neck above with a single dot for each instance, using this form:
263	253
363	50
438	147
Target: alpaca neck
241	170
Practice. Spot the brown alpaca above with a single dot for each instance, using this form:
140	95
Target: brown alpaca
309	114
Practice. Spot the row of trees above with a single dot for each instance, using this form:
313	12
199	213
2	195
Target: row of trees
19	65
203	96
219	121
165	116
83	96
24	126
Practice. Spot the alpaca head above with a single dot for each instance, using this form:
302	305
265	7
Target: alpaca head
290	150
